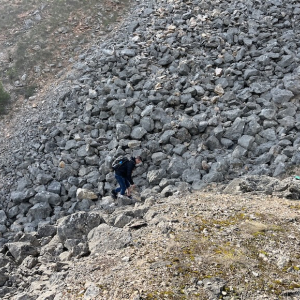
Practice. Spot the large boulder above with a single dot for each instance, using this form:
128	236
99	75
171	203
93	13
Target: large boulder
78	225
155	176
48	197
104	238
39	211
20	250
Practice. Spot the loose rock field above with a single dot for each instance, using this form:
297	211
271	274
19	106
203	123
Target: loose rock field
207	92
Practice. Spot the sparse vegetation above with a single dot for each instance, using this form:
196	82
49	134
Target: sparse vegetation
39	38
4	99
29	91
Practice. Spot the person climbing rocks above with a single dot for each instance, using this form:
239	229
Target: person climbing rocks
123	173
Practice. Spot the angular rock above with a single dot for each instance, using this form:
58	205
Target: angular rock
246	141
3	277
138	132
78	225
235	131
85	194
54	187
46	197
122	131
280	96
106	238
155	176
122	220
39	211
21	250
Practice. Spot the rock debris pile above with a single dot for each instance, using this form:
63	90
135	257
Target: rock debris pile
203	91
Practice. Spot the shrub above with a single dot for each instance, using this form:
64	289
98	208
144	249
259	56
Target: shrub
4	98
29	90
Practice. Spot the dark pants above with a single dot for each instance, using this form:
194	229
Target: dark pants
124	184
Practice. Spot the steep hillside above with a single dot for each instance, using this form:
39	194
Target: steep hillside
40	39
207	93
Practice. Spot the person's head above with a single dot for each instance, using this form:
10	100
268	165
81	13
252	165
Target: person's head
138	160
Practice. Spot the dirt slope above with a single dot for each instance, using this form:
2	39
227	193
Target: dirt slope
200	246
39	40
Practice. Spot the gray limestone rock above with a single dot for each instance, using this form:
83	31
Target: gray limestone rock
4	260
246	141
85	150
176	166
77	248
45	230
213	143
43	179
78	225
292	83
21	250
137	133
180	149
122	220
191	175
168	191
194	106
122	201
46	197
252	128
166	60
104	238
3	217
226	142
29	262
122	131
269	134
235	131
3	276
268	114
147	123
158	157
232	114
19	197
70	144
165	137
280	96
155	176
39	211
213	176
54	187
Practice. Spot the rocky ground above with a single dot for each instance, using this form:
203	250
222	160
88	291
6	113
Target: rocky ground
203	245
208	94
200	246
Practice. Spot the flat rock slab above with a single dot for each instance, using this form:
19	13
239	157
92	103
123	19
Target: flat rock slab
104	238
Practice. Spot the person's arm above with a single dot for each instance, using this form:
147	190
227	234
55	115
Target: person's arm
130	167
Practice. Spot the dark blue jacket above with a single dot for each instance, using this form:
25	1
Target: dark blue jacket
126	170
